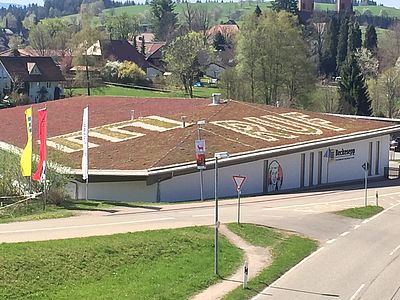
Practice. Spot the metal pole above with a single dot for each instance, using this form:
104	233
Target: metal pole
201	170
238	206
87	75
216	219
327	168
366	178
87	187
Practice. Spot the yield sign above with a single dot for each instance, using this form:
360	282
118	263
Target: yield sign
239	180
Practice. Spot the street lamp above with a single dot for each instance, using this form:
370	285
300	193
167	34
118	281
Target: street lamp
217	156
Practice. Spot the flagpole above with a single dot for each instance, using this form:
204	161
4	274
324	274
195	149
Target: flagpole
87	153
30	177
45	162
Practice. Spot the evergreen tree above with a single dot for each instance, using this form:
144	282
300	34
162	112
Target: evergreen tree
371	39
286	5
353	91
354	41
342	43
164	19
258	11
219	41
328	63
142	46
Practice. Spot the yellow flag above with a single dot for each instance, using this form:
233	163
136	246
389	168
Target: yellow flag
26	157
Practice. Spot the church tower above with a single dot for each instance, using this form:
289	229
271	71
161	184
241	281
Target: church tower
344	6
306	8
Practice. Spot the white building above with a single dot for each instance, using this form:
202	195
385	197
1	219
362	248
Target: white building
143	150
37	77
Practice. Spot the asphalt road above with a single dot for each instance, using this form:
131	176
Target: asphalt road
360	263
356	260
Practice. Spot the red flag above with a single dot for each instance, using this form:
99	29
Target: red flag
40	173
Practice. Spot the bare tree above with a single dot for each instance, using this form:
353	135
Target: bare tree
188	16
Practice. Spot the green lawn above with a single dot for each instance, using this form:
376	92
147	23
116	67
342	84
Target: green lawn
364	212
287	250
199	92
375	10
226	10
162	264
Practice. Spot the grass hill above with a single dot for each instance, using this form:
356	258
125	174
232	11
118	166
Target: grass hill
375	10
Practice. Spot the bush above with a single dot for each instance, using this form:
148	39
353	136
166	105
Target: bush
19	99
110	71
130	72
12	183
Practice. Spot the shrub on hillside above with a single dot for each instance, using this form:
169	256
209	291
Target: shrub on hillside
130	72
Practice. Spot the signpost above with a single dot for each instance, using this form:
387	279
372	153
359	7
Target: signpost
366	167
239	180
217	156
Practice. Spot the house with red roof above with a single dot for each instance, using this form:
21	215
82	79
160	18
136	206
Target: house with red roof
144	149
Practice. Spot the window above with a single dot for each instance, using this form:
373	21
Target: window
377	157
370	158
311	170
302	169
319	167
48	85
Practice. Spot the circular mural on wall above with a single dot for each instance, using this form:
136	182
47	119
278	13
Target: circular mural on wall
274	176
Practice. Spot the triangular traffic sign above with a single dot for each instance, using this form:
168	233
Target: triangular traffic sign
239	180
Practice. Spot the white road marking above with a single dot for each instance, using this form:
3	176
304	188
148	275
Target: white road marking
345	233
322	203
86	226
331	241
305	210
288	272
357	226
200	216
357	292
365	221
395	249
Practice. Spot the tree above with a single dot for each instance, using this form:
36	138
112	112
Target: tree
189	13
142	46
122	27
353	92
389	47
273	67
329	51
219	41
354	41
129	72
164	19
342	43
368	63
258	11
40	39
371	39
286	5
181	57
389	86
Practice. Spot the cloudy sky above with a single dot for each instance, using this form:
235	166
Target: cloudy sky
393	3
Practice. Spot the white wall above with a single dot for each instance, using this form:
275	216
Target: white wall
34	88
127	191
187	187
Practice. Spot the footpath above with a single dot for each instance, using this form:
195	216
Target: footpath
257	258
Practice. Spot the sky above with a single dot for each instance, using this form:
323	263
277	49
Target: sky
393	3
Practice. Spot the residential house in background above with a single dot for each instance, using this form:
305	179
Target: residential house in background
122	50
37	77
154	54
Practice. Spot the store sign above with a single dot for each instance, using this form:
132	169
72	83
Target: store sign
200	148
343	154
